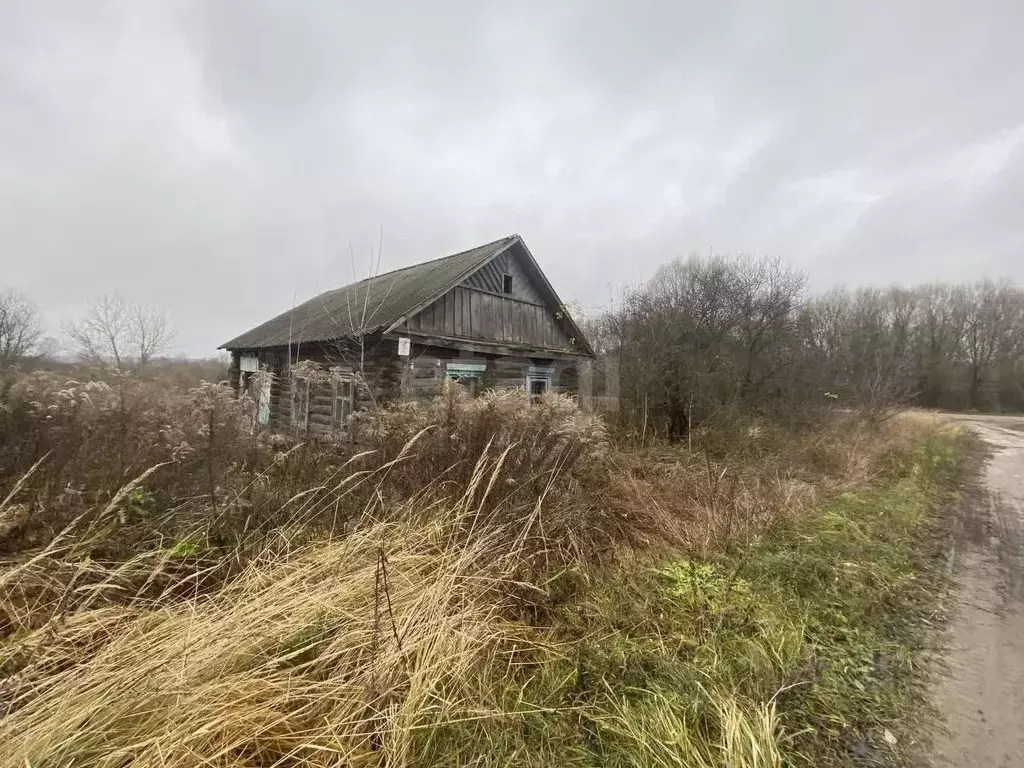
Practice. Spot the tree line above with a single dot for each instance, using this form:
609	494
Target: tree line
710	337
707	338
112	332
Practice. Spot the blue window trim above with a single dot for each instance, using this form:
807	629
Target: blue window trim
465	370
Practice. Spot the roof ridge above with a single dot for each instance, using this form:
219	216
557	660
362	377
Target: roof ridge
347	286
412	285
428	261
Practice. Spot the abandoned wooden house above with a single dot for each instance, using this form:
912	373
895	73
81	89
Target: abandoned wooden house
486	317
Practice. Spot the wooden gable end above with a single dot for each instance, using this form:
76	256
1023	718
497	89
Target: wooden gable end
506	301
473	314
491	277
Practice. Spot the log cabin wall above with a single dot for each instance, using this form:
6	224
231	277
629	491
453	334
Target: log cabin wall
376	362
419	376
426	370
511	373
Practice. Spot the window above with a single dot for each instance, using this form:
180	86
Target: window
537	388
344	402
538	381
266	380
300	402
506	283
469	375
247	366
258	386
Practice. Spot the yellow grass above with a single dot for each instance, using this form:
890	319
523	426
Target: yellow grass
330	656
364	649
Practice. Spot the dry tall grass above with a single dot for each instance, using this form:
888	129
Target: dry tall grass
328	655
311	607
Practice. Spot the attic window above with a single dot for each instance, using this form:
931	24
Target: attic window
506	283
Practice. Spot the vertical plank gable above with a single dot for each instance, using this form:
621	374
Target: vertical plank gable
468	313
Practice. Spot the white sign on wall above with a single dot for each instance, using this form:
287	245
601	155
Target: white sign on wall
249	363
404	346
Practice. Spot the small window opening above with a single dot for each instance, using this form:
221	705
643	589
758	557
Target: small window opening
248	365
538	381
506	283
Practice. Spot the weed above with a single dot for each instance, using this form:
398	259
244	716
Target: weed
489	583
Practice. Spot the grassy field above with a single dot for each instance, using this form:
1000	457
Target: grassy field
798	645
490	583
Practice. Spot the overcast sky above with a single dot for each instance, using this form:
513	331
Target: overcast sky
215	158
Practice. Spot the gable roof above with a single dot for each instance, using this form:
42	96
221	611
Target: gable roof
383	302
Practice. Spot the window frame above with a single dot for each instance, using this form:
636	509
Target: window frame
539	374
506	283
342	422
300	403
468	375
263	397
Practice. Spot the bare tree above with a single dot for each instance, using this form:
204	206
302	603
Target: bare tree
101	336
989	321
767	295
20	327
939	342
714	336
123	334
706	337
358	317
150	333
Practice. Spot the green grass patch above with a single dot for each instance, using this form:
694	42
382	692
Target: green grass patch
800	646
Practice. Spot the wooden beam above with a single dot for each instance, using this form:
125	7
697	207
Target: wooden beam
485	347
504	296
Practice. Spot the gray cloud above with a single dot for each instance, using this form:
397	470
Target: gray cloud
217	157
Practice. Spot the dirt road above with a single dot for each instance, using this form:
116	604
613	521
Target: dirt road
982	693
